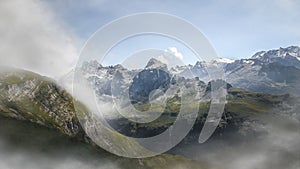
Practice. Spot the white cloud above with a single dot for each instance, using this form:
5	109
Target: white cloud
175	52
171	57
32	39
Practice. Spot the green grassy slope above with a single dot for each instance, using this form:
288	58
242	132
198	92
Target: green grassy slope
28	96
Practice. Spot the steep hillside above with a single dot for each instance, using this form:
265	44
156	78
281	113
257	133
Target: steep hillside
28	96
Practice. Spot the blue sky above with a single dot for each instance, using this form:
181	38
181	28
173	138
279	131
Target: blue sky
237	29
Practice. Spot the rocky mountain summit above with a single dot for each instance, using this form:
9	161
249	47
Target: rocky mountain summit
156	64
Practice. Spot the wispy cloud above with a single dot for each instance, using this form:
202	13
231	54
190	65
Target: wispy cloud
175	52
32	39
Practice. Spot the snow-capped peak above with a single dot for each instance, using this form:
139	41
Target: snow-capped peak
258	54
293	51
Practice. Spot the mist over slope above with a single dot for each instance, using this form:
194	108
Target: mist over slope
27	96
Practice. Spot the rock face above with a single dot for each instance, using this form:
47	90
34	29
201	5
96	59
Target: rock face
28	96
147	81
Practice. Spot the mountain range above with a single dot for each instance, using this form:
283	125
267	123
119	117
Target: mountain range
273	72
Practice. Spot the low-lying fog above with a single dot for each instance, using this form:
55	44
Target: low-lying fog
27	146
278	147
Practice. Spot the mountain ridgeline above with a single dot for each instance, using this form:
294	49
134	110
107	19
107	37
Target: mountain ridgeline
273	72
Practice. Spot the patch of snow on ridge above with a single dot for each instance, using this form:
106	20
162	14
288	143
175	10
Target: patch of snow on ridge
224	60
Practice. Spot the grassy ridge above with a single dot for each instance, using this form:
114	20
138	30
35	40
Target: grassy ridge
31	97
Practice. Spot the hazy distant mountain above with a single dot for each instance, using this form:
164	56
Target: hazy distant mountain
289	56
274	71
